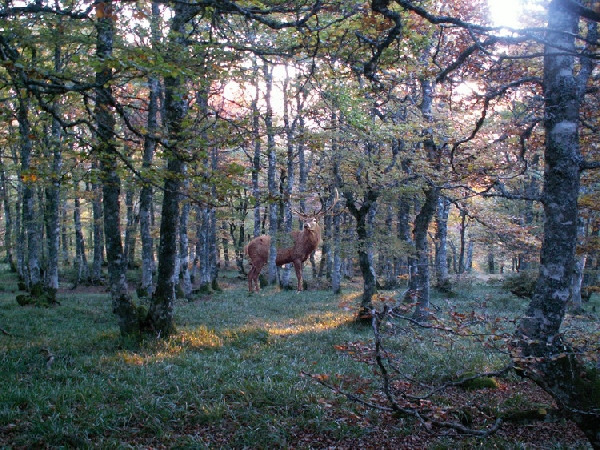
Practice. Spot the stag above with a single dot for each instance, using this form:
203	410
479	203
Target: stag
304	243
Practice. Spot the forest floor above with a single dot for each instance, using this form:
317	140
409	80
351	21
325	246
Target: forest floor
244	383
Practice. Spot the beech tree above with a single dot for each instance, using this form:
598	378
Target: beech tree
540	350
381	141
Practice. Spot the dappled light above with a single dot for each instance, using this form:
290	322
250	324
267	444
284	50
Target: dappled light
424	175
320	323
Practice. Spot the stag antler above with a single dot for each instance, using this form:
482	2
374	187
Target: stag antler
321	212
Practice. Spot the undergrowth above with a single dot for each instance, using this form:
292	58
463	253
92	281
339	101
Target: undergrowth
232	377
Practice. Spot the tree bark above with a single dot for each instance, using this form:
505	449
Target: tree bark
81	263
336	273
28	180
463	241
8	218
419	282
271	174
122	303
441	254
160	314
146	194
286	200
184	251
130	232
98	232
52	216
365	260
541	352
257	151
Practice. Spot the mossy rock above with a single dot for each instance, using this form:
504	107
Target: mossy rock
535	413
589	387
445	287
522	285
23	299
45	299
478	383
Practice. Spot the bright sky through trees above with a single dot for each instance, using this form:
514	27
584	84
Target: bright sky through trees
505	13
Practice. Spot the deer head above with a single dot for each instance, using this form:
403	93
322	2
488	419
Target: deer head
312	219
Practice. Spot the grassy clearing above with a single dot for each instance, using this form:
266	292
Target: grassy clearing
231	377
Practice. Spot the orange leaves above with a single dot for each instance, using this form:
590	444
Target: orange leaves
105	10
29	177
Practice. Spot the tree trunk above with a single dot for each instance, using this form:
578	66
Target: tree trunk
8	221
336	273
161	315
365	261
184	251
52	191
146	194
28	179
98	232
419	281
65	240
52	216
239	239
463	237
129	250
469	260
257	151
19	230
491	261
288	220
207	228
123	306
225	245
213	248
541	352
441	254
271	174
81	263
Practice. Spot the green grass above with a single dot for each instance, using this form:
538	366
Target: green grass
237	358
230	378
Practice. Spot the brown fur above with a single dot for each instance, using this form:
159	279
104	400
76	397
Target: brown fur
305	242
258	255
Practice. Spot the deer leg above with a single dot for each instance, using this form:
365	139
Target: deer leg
298	267
252	279
256	277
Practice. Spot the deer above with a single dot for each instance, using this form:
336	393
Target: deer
305	242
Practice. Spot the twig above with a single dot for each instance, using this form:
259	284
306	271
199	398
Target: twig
414	412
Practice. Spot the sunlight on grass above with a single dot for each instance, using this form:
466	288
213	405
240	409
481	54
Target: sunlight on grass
197	339
309	324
